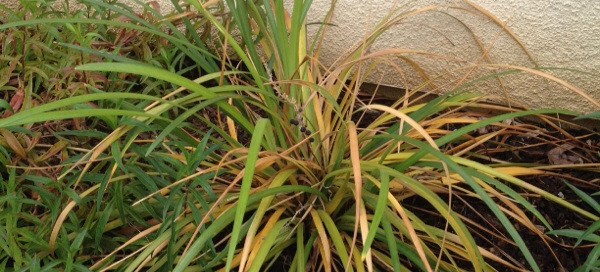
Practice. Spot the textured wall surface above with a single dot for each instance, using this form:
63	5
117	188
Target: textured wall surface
558	33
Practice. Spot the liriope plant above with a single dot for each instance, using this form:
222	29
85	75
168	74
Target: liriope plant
285	173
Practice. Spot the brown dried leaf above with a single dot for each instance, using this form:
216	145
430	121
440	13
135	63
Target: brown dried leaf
6	72
15	102
558	156
155	5
57	147
13	143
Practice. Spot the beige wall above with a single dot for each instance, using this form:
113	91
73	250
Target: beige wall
558	33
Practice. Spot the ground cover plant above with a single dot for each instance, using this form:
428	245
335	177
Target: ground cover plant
215	139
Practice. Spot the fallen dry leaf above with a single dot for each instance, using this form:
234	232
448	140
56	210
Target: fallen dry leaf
15	103
559	156
13	143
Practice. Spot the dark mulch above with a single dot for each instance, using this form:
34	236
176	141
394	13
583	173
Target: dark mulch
559	217
557	255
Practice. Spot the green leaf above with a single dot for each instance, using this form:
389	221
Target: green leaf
427	149
177	122
591	263
584	197
335	237
5	105
593	228
576	234
266	245
392	244
299	257
255	143
101	224
76	244
45	112
593	115
380	208
158	73
227	217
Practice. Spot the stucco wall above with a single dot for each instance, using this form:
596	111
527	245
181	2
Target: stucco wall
558	33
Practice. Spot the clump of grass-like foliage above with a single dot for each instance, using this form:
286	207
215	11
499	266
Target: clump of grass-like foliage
234	148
